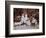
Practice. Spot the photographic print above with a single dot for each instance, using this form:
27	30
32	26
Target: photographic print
24	18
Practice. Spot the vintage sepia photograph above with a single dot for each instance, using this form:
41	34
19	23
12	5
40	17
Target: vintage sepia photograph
25	18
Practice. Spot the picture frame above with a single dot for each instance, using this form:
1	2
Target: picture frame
10	11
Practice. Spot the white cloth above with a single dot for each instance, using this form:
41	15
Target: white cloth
28	22
25	19
34	21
